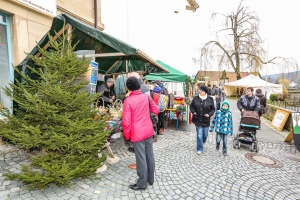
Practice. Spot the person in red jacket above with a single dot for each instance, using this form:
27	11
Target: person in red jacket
137	127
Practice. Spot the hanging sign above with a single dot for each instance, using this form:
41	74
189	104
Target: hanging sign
94	73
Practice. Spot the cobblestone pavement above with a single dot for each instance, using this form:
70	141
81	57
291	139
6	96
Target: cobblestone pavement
180	173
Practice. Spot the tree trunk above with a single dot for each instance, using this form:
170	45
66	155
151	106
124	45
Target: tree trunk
236	48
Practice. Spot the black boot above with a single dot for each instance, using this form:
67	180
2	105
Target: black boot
130	149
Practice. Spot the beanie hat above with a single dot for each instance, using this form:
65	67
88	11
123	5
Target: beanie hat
110	80
132	83
204	88
228	105
157	89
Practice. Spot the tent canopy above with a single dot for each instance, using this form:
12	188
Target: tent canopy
252	81
173	76
113	55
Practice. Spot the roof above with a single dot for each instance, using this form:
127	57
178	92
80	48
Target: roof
113	55
252	81
174	75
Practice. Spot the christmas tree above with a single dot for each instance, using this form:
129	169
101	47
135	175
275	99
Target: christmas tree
55	115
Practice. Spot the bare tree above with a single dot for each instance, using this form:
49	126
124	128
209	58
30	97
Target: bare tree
287	65
241	45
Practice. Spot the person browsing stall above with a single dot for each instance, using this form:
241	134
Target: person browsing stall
145	90
138	128
202	108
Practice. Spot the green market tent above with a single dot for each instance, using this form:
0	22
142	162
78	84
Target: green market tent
173	76
113	55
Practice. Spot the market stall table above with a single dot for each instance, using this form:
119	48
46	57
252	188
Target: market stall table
116	126
178	115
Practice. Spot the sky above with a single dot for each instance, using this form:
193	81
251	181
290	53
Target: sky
176	38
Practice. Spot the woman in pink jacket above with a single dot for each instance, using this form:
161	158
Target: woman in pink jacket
137	127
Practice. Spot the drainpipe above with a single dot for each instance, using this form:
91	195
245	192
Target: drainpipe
96	13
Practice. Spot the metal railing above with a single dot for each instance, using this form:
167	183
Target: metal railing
293	105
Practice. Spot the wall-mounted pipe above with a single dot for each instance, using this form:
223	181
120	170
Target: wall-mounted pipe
96	13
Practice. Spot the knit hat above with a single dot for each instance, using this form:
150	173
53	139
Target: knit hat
132	83
157	82
204	88
110	80
227	103
157	89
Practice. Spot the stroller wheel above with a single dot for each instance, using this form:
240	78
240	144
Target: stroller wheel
256	149
252	147
235	136
235	144
239	144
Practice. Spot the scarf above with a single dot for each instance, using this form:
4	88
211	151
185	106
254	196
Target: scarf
203	97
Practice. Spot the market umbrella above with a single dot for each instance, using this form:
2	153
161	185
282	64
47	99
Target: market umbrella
113	55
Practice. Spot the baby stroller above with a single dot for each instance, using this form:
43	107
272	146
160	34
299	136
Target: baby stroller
250	123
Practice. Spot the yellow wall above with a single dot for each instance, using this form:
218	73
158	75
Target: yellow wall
28	26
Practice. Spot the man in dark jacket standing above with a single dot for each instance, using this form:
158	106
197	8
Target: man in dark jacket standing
263	101
202	108
217	92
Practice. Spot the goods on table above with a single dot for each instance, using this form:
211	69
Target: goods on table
116	110
178	100
101	109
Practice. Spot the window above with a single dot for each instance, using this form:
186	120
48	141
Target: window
6	70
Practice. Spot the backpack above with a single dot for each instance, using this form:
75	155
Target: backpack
162	102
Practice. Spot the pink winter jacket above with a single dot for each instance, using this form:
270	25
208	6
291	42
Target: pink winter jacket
136	121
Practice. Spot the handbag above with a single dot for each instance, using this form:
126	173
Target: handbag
154	117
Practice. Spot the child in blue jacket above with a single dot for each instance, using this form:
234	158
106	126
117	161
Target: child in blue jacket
222	123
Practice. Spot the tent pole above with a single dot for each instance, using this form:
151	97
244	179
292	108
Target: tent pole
126	67
65	27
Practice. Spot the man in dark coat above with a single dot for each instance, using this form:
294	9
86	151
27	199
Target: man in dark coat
263	101
217	92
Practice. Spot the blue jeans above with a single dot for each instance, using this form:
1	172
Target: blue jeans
222	136
202	133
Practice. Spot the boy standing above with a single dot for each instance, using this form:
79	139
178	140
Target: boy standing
222	123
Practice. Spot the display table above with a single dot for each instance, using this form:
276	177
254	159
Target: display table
178	115
116	126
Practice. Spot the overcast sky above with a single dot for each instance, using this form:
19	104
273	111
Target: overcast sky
175	38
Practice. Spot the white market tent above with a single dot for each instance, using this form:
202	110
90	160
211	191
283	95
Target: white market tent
252	81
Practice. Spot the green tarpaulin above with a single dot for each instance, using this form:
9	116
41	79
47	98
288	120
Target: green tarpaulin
113	55
173	76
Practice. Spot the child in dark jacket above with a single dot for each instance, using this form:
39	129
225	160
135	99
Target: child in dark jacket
222	123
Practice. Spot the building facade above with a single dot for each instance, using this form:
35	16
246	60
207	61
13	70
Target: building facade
23	23
214	77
